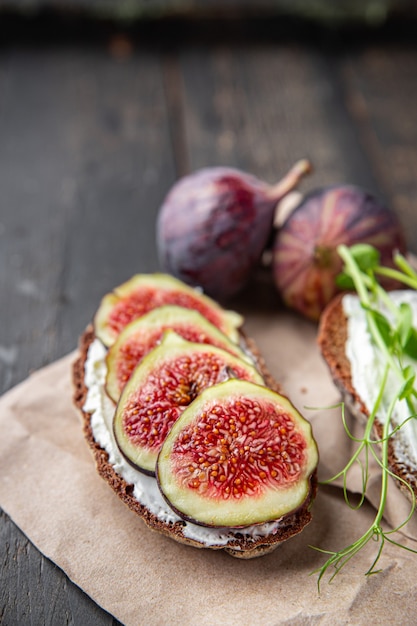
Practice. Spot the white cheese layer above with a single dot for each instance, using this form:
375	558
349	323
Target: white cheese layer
367	366
145	490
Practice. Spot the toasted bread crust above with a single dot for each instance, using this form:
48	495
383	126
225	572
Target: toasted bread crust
332	337
240	546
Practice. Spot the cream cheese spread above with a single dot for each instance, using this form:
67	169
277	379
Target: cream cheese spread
367	366
145	488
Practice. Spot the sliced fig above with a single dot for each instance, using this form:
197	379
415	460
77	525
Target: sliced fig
143	334
239	455
144	292
164	383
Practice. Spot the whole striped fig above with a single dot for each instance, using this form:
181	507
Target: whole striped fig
215	223
305	258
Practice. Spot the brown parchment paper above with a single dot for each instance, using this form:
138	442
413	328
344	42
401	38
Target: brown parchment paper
49	486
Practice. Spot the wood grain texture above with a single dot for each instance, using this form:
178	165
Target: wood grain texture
35	591
91	143
271	106
84	163
381	85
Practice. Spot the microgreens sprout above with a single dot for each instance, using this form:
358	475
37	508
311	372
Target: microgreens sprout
394	339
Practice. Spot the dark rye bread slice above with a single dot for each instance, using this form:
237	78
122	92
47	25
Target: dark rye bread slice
241	546
332	337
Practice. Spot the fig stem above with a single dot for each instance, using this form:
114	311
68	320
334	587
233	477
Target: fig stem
290	180
286	206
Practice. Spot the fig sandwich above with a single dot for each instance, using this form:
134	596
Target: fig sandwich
357	368
187	425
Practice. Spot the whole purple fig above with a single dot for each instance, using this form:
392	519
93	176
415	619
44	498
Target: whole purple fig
305	258
215	223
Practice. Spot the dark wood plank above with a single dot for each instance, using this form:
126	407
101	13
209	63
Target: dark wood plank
35	591
36	174
125	167
381	92
85	159
263	108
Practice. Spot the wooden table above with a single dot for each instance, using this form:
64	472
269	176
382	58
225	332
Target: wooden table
94	131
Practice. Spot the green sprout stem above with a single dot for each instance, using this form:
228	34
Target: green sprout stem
402	263
370	291
361	283
389	272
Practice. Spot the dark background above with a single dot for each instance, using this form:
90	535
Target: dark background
103	108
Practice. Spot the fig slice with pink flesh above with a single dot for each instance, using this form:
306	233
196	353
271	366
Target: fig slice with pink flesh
239	455
164	383
144	292
144	333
